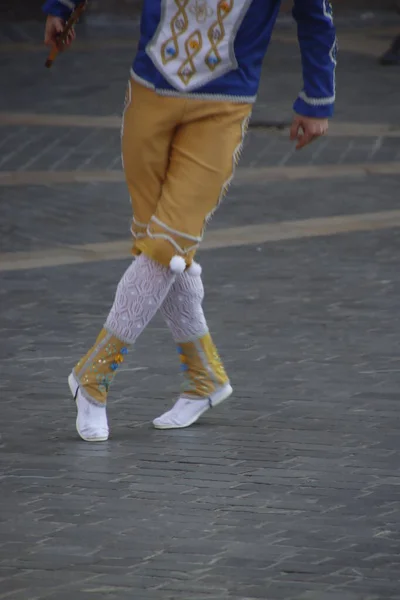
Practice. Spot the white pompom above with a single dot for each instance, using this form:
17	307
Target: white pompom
195	269
177	264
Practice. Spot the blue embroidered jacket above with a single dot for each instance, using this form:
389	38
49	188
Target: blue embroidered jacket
213	49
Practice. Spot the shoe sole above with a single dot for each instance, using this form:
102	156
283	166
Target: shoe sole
73	386
215	401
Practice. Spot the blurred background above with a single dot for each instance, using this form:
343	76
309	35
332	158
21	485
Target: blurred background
25	9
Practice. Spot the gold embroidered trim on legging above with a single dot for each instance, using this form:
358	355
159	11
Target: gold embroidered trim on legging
96	370
102	339
202	367
206	363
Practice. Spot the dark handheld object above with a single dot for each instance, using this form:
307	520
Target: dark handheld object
62	38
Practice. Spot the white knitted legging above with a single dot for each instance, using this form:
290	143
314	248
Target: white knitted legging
146	287
182	308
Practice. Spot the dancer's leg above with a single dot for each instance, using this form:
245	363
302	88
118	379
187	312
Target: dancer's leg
149	124
171	144
140	293
206	382
205	149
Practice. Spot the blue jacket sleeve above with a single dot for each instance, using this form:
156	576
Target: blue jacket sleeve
318	47
59	8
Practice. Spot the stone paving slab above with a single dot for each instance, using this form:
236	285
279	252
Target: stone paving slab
41	148
289	490
39	217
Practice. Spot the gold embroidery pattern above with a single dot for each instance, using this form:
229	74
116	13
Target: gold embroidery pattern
202	367
216	34
179	25
96	370
193	46
201	10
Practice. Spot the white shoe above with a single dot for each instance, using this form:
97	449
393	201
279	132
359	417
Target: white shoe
186	411
91	421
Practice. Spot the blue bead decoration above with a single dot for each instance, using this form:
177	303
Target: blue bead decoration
114	366
171	51
212	60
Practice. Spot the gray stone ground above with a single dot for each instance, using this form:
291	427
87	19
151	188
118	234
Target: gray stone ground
288	492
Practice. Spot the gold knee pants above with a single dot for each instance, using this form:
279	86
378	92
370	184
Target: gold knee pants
179	155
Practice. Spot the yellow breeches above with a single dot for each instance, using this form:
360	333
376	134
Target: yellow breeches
179	155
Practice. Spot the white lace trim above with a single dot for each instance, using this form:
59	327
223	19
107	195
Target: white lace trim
175	231
137	235
316	101
139	224
194	95
164	236
168	238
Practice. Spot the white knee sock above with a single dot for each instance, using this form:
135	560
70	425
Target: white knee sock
182	308
140	293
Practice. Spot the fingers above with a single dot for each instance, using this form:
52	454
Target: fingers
70	38
300	133
305	139
305	130
48	37
53	30
54	26
294	130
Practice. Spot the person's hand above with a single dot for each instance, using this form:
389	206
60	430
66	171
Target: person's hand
306	129
54	27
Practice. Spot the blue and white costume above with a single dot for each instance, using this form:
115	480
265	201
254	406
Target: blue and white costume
214	49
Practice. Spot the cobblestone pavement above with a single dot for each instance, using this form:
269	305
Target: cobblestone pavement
290	491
